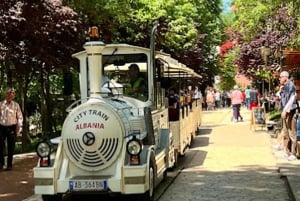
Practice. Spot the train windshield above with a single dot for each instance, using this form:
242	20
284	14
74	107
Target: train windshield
129	70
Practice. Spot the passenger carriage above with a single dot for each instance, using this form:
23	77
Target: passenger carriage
185	120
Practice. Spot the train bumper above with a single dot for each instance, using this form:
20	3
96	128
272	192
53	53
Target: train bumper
134	182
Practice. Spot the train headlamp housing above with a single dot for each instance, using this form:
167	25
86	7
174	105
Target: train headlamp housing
134	147
43	149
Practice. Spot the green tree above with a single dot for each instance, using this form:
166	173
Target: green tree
189	30
228	70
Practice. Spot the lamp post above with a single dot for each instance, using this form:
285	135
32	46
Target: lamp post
279	57
265	53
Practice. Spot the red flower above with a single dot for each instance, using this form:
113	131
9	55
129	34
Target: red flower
225	47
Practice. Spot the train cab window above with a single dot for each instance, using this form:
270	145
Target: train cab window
132	75
136	84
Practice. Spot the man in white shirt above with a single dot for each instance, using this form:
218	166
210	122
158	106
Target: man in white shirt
11	121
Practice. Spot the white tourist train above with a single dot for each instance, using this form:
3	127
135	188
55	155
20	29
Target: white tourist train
112	142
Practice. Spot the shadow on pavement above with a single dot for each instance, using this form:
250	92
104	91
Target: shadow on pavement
204	131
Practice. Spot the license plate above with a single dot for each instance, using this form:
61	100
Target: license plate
87	185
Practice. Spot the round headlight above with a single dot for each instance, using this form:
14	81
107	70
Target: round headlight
134	147
43	149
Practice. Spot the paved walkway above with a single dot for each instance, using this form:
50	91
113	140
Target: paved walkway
233	163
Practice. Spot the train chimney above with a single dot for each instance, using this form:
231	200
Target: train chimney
94	53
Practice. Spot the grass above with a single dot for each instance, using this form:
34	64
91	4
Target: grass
29	148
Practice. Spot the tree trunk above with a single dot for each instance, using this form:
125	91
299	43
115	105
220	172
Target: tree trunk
22	90
46	127
48	123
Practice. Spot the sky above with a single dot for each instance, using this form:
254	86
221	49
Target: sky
226	5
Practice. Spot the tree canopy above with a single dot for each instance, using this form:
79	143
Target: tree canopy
189	30
270	24
38	32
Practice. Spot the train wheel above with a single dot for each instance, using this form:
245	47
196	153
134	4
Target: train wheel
176	159
149	195
193	137
191	140
165	175
56	197
175	165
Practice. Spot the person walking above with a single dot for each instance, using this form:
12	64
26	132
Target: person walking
247	94
11	122
217	99
210	99
254	98
288	106
197	93
236	102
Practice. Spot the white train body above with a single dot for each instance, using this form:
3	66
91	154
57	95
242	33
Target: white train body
111	142
184	123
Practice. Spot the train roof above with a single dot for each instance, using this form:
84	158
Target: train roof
111	49
173	68
169	71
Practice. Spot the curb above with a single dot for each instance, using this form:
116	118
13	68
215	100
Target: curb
33	198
